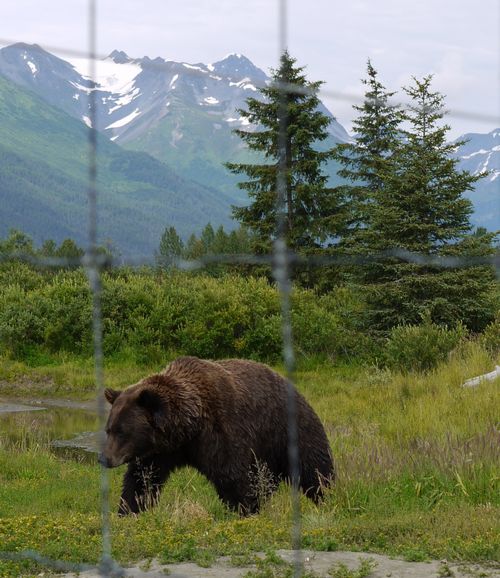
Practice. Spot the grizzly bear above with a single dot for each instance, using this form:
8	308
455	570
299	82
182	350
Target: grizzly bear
228	419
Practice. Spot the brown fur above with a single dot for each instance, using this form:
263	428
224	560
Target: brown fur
228	419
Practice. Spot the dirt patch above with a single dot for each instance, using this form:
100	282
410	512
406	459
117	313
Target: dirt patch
321	563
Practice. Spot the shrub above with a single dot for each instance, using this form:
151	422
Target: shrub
490	338
152	315
421	347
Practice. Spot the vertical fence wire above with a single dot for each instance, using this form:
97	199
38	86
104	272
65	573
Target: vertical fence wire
281	272
107	566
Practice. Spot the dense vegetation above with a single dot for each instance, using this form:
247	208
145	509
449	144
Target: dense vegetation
152	314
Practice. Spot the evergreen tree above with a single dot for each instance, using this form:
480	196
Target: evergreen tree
194	248
420	207
68	249
207	239
309	203
221	242
171	247
366	162
17	242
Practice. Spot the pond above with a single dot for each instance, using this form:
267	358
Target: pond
68	429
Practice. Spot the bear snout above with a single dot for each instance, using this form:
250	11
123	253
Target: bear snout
104	461
110	462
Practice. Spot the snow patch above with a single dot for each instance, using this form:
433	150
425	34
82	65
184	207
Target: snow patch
33	68
125	120
125	99
76	96
110	76
84	89
172	82
86	120
191	67
245	84
479	152
211	100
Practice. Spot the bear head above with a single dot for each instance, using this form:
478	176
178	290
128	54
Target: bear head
159	414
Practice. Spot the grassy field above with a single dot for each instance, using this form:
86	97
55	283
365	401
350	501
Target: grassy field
418	475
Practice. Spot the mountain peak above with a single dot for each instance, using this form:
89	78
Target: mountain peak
119	57
236	66
20	47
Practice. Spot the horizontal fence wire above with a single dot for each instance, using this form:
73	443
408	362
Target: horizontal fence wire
106	262
281	261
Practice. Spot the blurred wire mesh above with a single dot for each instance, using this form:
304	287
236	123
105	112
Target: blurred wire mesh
281	262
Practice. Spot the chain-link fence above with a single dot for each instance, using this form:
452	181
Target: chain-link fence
281	262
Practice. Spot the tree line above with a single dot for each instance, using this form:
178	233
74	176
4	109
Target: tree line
401	190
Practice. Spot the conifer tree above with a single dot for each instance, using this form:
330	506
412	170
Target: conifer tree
419	207
171	247
194	248
309	202
207	238
366	162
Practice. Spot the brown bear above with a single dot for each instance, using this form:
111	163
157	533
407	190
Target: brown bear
228	419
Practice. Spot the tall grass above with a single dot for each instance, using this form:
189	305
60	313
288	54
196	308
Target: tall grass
417	458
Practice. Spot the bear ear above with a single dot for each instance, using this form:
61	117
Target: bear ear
111	395
153	403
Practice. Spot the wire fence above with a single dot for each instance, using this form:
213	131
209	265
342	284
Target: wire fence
280	261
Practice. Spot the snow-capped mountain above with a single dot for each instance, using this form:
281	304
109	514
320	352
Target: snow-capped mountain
480	155
183	114
134	95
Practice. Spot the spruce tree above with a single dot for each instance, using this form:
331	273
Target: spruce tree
171	247
366	162
309	202
420	208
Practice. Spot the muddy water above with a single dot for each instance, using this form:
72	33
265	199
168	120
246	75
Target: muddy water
66	428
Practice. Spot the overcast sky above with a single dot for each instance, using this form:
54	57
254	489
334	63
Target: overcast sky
456	40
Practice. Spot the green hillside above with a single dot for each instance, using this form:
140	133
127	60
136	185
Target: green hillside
198	143
44	157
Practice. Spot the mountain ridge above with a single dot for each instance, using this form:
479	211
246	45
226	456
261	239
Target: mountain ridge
44	155
182	115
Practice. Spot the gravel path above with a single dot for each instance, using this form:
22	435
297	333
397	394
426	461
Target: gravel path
320	563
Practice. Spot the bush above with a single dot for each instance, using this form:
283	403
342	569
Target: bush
421	347
154	315
490	339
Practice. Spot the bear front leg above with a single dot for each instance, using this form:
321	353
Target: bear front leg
142	484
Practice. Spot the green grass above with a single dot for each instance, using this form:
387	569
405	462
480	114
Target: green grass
418	477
